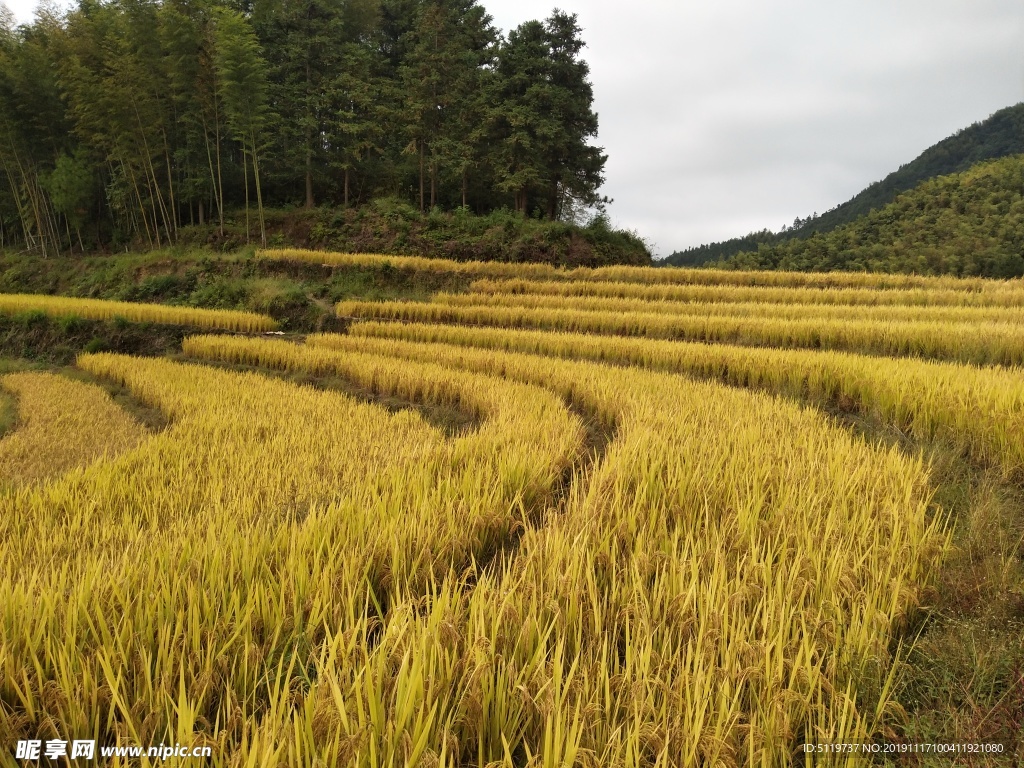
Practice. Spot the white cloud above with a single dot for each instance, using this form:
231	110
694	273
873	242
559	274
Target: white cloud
724	117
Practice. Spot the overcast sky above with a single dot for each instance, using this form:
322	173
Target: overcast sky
724	117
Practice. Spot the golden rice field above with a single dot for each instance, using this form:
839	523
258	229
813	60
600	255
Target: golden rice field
747	309
646	275
1006	296
66	424
644	546
99	309
983	342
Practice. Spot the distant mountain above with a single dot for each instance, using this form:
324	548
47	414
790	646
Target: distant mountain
702	254
969	223
1000	135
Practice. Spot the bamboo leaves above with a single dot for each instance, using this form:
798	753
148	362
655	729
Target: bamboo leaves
242	77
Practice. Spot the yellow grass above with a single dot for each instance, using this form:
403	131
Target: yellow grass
612	565
879	281
758	309
996	294
979	410
158	596
721	588
984	343
412	263
642	275
62	424
97	309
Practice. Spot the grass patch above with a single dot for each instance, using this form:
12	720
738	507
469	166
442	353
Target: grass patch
153	419
299	296
37	338
8	412
963	679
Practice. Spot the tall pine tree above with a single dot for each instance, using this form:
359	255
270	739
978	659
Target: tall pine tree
448	48
541	117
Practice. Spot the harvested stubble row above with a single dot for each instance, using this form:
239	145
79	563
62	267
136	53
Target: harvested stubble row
978	410
643	275
980	343
1005	296
723	588
161	596
98	309
757	309
62	424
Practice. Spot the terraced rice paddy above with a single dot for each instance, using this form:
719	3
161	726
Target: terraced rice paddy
98	309
641	547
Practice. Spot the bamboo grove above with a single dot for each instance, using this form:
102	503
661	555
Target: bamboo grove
128	121
630	551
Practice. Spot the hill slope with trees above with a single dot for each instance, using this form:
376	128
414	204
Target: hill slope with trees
969	223
1000	135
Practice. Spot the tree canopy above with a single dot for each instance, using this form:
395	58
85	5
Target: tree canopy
126	120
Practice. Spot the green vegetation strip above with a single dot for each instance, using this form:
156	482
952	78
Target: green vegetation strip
969	223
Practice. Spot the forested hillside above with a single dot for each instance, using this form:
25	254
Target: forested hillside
127	121
1001	135
969	223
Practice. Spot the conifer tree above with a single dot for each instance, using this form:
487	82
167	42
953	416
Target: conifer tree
449	46
542	116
